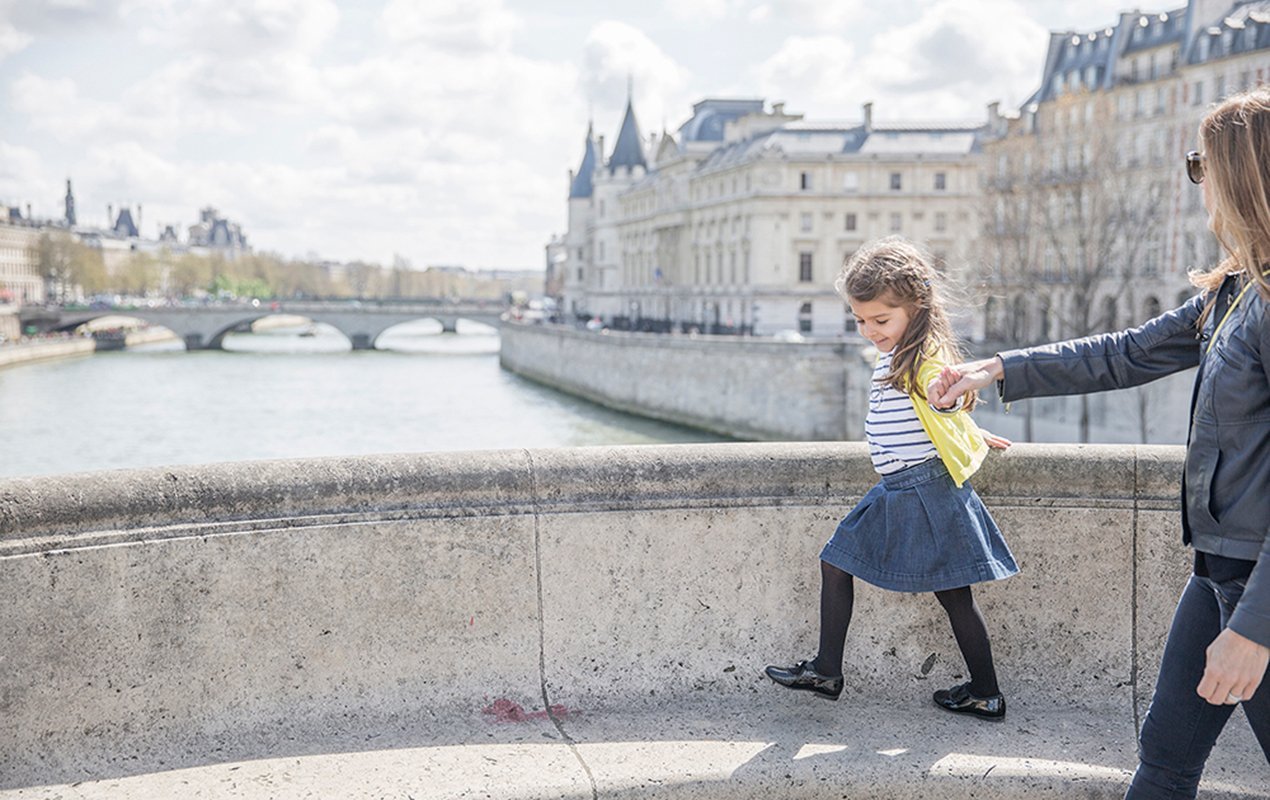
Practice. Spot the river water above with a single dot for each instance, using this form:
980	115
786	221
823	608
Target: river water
283	395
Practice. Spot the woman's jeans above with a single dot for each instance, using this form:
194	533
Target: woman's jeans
1181	726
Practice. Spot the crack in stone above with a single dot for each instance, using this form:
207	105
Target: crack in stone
542	636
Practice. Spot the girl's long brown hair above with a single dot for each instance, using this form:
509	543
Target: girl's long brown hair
1235	139
896	272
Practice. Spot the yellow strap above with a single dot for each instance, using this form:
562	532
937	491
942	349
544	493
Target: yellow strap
1226	316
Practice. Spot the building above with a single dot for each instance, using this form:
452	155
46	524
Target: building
1089	221
740	221
20	280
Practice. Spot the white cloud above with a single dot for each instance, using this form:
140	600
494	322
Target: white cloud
818	75
238	28
822	16
698	10
615	53
459	25
939	66
11	40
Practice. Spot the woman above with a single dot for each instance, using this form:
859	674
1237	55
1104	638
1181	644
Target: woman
1219	643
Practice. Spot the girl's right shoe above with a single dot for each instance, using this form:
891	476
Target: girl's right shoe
803	676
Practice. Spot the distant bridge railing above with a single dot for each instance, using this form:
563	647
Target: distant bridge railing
204	327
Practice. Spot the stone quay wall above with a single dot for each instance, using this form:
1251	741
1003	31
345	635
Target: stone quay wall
742	387
180	616
763	390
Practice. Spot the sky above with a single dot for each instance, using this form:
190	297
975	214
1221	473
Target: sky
441	131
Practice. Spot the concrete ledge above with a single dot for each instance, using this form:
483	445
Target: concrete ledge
337	626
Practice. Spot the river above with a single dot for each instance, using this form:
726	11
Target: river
284	395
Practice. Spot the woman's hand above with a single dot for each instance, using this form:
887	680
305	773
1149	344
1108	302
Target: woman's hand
994	441
957	380
1235	667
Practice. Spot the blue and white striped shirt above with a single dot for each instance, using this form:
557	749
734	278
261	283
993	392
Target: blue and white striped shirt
894	433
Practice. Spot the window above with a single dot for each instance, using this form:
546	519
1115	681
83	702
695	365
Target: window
850	224
851	182
896	182
941	221
804	318
897	222
941	181
579	274
804	222
804	267
804	180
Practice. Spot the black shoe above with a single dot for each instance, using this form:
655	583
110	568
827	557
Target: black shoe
959	700
804	676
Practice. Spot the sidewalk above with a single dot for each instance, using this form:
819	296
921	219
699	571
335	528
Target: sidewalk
772	744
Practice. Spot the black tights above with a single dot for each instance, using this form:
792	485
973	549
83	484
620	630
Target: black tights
837	600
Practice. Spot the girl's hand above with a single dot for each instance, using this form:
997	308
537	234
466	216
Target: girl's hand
959	379
1234	668
938	388
996	442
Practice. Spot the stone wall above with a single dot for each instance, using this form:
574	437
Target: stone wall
747	388
759	389
162	617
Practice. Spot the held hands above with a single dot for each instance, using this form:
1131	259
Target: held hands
1234	669
953	382
959	379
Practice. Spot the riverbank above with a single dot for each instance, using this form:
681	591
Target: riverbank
31	351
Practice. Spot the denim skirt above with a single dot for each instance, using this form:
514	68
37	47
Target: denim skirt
917	531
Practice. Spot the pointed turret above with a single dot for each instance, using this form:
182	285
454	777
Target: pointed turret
581	186
628	152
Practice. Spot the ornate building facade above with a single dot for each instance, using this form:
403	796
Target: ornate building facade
740	221
1089	221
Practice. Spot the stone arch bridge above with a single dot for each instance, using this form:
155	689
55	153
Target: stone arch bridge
205	327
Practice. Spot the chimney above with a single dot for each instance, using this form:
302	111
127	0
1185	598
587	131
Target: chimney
110	215
570	181
138	219
600	147
778	109
868	117
28	212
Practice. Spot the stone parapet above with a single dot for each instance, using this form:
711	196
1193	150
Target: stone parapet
341	625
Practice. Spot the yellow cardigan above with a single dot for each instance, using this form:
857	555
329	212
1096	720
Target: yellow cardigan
956	437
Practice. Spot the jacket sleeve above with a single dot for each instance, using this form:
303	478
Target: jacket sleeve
1157	348
1252	614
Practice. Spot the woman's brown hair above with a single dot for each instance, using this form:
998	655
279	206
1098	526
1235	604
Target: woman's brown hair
1235	139
896	272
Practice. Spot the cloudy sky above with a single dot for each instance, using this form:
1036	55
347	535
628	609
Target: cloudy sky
442	130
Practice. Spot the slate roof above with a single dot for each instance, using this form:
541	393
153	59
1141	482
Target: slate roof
628	152
581	186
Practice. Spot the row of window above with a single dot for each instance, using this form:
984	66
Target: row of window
851	182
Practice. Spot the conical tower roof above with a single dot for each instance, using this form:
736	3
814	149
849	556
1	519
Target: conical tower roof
628	152
581	186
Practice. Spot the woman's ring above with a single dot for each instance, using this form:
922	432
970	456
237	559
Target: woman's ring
1233	699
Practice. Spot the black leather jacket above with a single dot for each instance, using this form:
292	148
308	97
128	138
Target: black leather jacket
1226	481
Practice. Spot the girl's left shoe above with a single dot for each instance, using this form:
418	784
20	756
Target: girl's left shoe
959	700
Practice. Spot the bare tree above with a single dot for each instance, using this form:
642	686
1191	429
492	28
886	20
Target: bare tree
1072	211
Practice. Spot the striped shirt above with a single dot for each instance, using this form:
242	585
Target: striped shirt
894	433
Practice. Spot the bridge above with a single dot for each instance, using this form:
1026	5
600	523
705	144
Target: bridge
569	623
205	327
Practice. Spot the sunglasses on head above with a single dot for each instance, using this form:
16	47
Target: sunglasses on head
1195	166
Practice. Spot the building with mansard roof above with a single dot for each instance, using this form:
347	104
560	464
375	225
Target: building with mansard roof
739	222
1090	222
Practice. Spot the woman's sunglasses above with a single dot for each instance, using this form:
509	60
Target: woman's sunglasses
1195	166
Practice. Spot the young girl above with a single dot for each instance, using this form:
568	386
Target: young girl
922	528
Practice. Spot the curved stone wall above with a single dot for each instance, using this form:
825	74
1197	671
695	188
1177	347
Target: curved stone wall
164	618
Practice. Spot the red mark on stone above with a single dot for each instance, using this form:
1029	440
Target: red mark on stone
471	622
504	710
